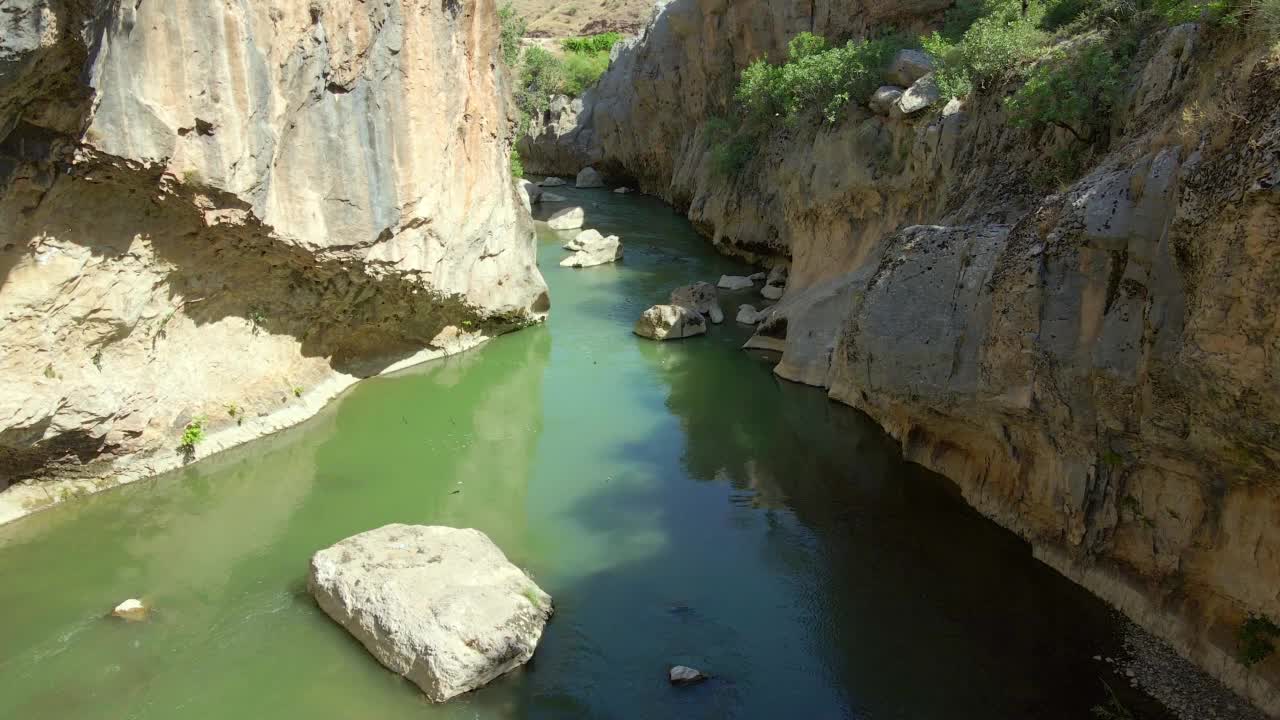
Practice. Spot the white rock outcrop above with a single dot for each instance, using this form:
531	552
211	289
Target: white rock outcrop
570	218
530	194
589	178
441	606
204	203
670	322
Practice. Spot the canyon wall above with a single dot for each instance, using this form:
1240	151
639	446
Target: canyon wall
227	212
1092	359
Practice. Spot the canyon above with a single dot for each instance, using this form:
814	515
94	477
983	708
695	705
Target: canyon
1092	361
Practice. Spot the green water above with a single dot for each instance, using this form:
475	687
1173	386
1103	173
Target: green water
679	503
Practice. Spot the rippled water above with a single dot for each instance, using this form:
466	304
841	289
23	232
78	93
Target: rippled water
680	503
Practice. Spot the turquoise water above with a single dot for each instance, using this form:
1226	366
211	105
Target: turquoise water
680	503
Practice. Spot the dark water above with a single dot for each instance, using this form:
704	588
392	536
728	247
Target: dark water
680	504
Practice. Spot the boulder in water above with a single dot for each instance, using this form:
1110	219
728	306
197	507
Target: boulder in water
623	191
748	315
670	322
596	250
589	178
567	219
132	610
684	675
583	239
553	182
735	282
701	297
441	606
550	197
776	285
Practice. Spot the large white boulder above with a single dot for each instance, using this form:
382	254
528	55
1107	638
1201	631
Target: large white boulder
670	322
701	297
441	606
595	251
735	282
570	218
583	239
589	178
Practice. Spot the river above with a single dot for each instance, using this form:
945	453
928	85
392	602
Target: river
681	504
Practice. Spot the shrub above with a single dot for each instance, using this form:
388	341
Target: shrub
1266	14
192	434
582	70
603	42
1176	12
513	26
1256	639
541	76
814	77
731	146
1074	91
517	166
993	50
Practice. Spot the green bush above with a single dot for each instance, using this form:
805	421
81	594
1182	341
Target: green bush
192	434
1266	14
603	42
582	70
993	50
513	26
541	76
814	78
1074	91
517	165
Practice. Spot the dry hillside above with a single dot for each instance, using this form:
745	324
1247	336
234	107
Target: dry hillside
564	18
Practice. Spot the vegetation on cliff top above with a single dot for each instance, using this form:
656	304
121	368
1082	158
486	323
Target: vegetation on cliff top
543	74
1070	58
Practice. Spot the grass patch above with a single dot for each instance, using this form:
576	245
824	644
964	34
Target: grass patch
193	434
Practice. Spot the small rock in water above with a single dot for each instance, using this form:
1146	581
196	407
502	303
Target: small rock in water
623	190
670	322
553	182
589	178
683	675
132	610
758	277
567	219
596	251
735	282
748	315
550	197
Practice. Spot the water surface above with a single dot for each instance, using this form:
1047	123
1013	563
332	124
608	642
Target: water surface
680	504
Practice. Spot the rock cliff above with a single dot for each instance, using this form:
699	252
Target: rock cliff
1093	362
221	214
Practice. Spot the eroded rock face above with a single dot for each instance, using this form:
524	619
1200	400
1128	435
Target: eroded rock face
1088	357
440	606
248	206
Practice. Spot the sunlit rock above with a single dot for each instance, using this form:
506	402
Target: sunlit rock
701	297
670	322
441	606
132	610
567	219
684	675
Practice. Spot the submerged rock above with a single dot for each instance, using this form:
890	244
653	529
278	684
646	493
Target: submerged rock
589	178
735	282
441	606
670	322
550	197
132	610
684	675
623	191
596	250
553	182
702	298
567	219
758	277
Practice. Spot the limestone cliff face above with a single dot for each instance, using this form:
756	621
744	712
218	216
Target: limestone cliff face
231	211
1093	363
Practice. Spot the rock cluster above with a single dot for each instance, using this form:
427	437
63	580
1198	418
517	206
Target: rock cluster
590	249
